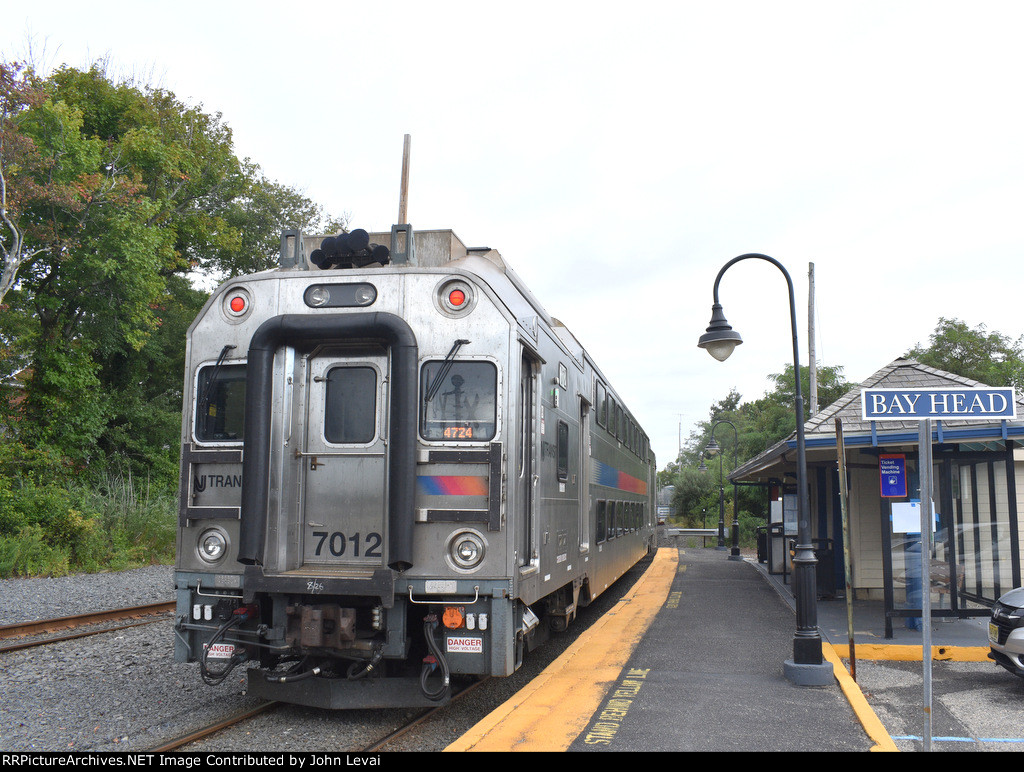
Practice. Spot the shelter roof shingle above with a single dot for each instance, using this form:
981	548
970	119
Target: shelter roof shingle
901	373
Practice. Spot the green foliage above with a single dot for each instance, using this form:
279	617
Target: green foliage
53	515
695	495
117	193
988	357
59	526
114	194
749	523
28	554
742	430
66	408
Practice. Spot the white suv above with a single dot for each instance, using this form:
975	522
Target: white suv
1006	632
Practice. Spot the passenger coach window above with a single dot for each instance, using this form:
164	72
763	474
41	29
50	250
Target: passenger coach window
220	405
350	416
458	401
563	450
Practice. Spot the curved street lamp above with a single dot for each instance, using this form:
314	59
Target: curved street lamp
807	668
711	449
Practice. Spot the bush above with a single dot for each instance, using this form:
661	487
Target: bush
748	528
141	522
53	528
28	554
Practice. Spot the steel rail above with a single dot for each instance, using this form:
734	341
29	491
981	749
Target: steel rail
241	715
40	627
200	734
421	718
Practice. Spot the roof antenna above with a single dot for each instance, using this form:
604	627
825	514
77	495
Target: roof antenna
403	245
403	200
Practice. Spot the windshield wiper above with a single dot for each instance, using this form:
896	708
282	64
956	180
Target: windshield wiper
445	368
213	378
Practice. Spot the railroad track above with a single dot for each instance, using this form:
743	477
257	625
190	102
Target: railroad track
95	623
426	715
211	729
113	619
243	715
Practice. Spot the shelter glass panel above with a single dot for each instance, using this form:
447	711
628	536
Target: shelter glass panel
982	530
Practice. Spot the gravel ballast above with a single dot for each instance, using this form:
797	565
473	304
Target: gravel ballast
111	692
122	691
27	600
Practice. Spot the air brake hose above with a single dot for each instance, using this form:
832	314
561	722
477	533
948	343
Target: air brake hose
355	675
431	663
213	678
290	679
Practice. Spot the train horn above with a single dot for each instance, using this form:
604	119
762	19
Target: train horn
349	250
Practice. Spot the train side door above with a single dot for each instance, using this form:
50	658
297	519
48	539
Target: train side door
344	510
526	461
584	472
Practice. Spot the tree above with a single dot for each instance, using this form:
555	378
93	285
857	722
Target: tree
759	424
988	357
258	215
116	193
831	386
17	95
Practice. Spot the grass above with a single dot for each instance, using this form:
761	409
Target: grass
52	529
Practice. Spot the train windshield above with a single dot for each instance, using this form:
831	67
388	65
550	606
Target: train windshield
221	403
459	401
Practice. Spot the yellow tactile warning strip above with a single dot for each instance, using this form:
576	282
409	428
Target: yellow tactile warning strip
556	706
551	712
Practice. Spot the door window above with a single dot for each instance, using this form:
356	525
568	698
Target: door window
350	413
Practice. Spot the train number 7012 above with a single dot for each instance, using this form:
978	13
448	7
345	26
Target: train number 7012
338	544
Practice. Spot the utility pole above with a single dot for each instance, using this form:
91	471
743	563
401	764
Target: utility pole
812	358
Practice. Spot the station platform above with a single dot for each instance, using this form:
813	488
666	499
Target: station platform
692	659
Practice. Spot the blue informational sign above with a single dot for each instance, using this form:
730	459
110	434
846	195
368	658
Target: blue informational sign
892	472
967	404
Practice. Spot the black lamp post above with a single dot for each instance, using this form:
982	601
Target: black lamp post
807	668
712	448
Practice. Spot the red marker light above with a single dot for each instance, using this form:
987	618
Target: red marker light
238	304
457	297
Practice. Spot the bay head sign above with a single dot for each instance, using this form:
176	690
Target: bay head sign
966	404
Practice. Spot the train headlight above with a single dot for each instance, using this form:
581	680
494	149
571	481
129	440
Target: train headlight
318	296
466	550
212	545
365	294
340	295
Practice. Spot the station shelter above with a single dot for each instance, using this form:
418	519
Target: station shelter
978	478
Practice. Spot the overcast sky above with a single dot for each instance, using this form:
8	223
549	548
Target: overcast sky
619	154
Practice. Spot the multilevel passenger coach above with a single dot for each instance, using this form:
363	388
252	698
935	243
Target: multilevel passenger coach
396	468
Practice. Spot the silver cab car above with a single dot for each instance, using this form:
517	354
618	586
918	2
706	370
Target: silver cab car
1006	632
